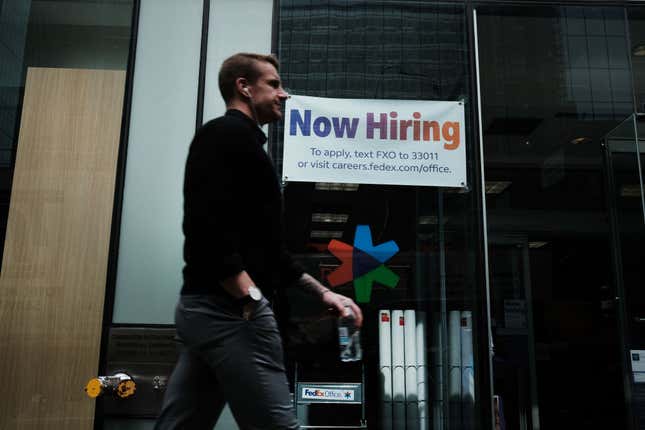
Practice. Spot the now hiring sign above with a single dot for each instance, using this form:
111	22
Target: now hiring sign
397	142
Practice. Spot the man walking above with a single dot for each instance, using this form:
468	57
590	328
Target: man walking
235	256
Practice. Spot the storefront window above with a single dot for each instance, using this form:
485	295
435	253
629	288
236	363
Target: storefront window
396	51
623	152
636	20
554	82
62	90
52	34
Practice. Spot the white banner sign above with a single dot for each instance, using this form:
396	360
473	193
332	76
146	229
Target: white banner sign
399	142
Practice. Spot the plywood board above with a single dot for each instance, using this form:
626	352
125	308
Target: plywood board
52	284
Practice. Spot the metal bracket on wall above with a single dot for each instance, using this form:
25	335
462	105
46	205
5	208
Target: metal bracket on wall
148	356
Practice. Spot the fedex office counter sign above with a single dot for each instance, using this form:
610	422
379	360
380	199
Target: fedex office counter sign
328	394
398	142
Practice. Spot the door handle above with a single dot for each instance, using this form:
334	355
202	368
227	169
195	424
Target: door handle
120	385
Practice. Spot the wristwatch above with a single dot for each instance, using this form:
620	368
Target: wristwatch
254	296
248	302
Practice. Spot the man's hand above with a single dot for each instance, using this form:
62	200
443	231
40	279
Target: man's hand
339	302
336	301
238	285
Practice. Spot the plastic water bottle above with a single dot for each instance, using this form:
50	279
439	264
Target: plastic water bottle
349	337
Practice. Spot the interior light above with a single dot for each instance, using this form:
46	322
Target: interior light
497	187
630	190
329	186
579	140
428	219
431	220
326	234
639	50
535	245
459	190
329	217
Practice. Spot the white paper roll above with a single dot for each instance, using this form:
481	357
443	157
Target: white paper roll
386	384
421	339
385	338
422	390
398	356
467	375
398	384
437	416
437	358
385	362
411	401
423	415
411	384
454	355
398	416
385	355
412	418
410	356
386	415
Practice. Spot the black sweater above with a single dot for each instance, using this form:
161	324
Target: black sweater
233	210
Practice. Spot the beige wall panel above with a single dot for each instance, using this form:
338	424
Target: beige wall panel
54	267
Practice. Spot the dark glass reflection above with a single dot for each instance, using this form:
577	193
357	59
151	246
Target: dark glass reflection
636	19
52	33
384	50
624	147
555	81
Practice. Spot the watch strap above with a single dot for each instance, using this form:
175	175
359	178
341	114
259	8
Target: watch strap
245	300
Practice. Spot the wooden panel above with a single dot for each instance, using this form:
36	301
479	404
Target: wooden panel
54	267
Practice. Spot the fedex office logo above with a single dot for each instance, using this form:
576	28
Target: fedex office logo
327	394
364	263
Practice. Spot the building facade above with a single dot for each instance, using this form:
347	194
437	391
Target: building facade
516	301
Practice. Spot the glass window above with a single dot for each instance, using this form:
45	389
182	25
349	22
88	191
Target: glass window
554	81
636	19
50	33
624	149
388	50
62	85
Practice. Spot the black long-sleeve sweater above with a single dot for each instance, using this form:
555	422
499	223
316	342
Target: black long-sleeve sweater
233	210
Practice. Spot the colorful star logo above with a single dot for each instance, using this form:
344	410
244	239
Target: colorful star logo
363	263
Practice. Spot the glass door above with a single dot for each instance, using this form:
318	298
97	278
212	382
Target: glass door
624	156
512	313
554	80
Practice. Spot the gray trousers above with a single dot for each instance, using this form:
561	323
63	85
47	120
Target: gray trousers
225	358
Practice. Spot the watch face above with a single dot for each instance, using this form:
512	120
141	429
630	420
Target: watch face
255	293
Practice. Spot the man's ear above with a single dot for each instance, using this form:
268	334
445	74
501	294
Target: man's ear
241	85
